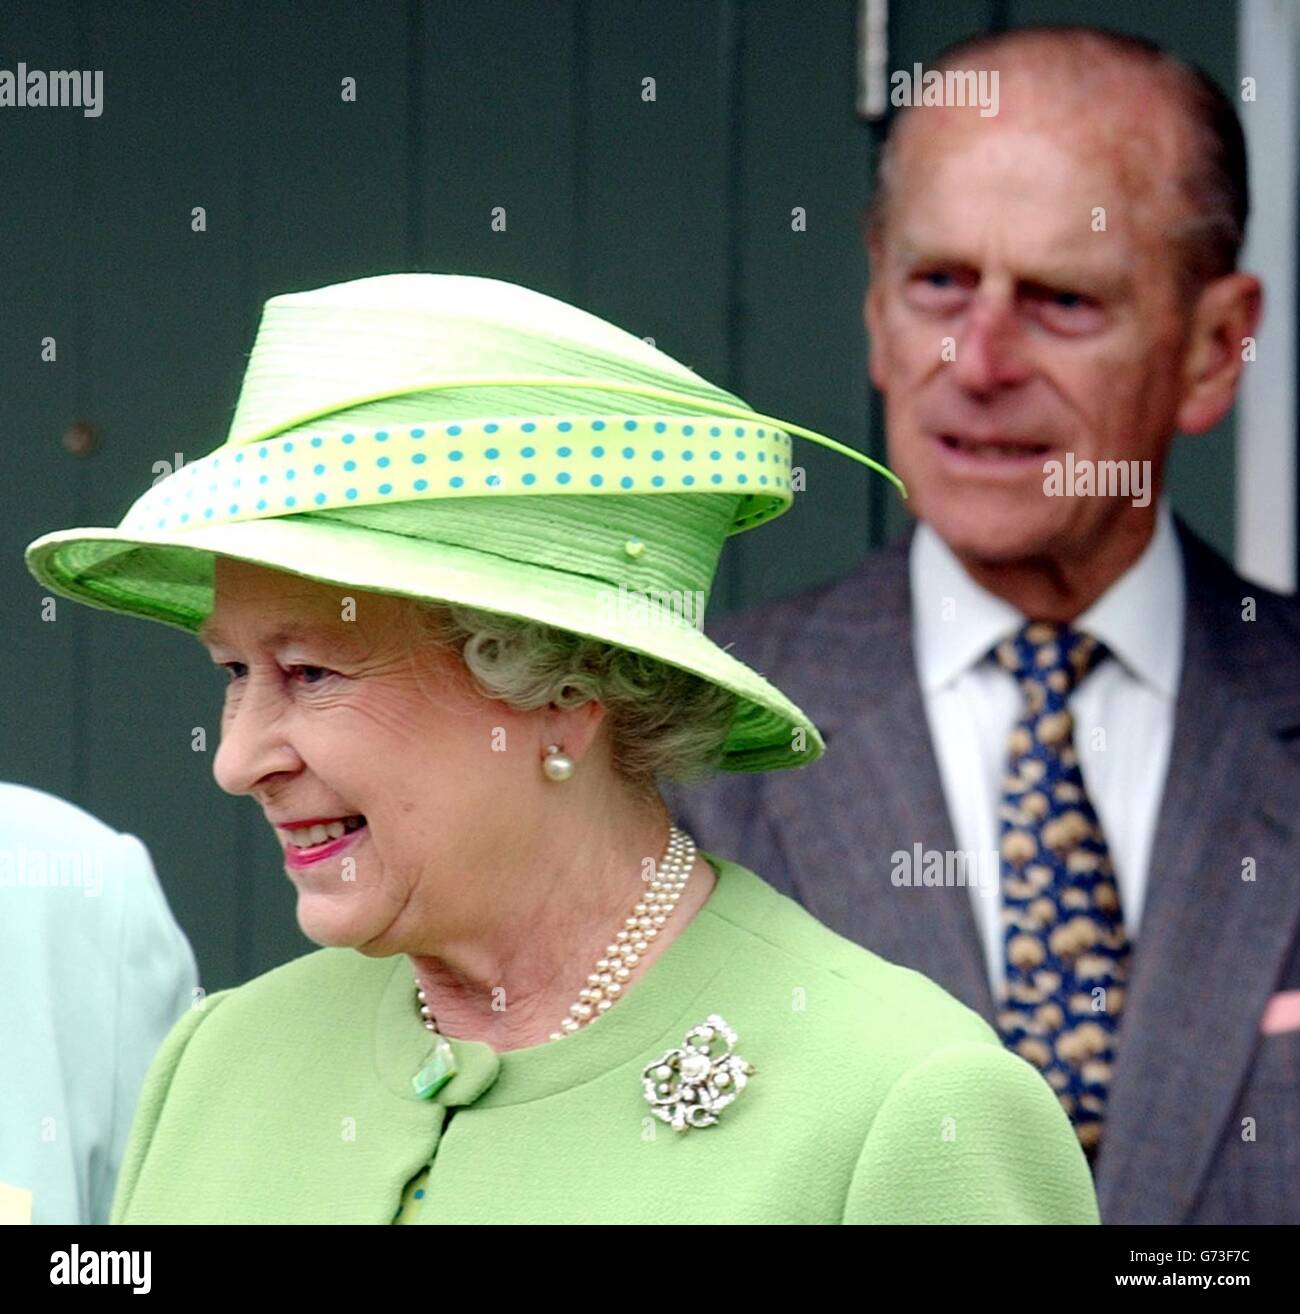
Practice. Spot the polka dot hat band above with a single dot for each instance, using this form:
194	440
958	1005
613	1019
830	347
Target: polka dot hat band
467	440
490	457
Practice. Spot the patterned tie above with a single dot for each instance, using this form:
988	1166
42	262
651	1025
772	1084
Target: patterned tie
1066	951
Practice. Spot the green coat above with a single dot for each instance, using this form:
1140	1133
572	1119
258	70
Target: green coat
876	1098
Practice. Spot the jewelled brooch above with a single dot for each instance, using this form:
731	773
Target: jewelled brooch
689	1087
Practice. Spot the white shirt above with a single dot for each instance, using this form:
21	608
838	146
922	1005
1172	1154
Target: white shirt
94	972
972	704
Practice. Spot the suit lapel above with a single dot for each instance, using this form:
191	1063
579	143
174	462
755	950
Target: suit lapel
1211	946
877	791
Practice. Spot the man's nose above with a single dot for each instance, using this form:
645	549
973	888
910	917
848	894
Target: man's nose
253	744
991	351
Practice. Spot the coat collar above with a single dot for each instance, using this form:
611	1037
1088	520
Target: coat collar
666	1002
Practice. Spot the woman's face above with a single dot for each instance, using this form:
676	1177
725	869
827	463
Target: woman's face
334	710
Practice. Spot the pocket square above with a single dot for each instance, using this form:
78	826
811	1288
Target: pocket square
1282	1013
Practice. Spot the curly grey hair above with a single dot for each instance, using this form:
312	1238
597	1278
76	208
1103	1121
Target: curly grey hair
663	721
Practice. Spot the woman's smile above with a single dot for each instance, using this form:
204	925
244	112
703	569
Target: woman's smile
298	856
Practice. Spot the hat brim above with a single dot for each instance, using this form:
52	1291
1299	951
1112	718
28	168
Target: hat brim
167	577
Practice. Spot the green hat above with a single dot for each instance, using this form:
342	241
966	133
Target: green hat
468	440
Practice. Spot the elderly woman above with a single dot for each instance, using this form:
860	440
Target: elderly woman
452	558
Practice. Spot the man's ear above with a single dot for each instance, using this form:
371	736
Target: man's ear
1226	314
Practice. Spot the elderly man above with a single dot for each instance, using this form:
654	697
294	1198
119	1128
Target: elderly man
1050	672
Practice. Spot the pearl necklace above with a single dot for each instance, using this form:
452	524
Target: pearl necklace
651	912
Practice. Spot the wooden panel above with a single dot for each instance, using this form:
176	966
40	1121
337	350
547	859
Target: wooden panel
671	217
44	486
496	118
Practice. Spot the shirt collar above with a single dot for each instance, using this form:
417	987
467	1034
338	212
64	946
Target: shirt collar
1140	617
954	620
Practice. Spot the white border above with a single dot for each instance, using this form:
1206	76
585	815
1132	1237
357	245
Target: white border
1268	50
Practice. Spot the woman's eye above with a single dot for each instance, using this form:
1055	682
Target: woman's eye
313	675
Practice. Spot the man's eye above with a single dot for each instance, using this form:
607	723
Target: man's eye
1059	298
319	670
940	280
228	667
938	290
1063	311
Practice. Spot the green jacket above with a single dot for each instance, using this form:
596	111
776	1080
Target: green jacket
876	1098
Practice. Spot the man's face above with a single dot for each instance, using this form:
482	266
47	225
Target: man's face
1062	337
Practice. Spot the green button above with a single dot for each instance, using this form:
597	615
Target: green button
439	1068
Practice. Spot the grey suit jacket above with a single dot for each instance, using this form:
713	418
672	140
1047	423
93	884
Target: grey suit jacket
1203	1116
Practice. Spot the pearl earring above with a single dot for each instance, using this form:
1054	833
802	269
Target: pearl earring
557	765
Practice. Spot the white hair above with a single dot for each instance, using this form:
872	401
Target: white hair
663	721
